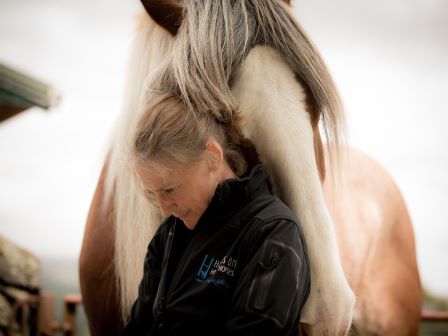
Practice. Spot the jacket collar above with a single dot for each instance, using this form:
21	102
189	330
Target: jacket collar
236	190
233	194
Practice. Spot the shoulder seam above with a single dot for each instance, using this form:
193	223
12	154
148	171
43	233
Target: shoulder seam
270	220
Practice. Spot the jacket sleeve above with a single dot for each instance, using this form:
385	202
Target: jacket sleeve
141	317
274	283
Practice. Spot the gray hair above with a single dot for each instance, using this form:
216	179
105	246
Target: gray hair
168	133
216	36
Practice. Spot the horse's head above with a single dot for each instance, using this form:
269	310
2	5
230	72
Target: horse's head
205	81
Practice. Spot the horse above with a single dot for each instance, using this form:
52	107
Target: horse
358	231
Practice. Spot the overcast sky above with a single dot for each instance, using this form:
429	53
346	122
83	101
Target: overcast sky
389	60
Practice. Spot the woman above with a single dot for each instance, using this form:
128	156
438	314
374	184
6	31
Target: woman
229	258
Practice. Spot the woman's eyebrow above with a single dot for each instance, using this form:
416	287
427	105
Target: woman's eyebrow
168	186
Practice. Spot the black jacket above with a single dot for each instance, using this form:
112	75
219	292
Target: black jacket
243	270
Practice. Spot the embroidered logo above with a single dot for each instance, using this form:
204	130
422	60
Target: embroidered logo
212	270
204	270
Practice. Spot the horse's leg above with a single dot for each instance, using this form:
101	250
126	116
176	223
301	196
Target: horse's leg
377	248
96	267
274	118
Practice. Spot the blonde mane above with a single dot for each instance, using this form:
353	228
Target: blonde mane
135	221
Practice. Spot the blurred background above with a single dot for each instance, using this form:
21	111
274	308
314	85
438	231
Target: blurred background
388	58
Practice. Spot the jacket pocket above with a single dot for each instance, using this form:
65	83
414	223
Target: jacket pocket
274	287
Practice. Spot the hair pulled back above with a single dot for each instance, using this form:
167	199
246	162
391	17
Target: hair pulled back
170	133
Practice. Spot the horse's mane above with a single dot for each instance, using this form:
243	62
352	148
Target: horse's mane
214	39
199	65
135	222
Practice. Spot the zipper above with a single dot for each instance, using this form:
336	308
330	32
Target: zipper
179	270
170	243
160	296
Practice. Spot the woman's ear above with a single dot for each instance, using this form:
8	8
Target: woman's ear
215	153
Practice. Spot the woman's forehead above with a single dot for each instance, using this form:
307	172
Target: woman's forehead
160	176
157	172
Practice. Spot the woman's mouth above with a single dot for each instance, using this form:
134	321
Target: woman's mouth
184	215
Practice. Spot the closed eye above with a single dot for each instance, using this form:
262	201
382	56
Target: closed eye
150	194
165	192
151	197
170	191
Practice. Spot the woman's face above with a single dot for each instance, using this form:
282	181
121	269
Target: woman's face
184	192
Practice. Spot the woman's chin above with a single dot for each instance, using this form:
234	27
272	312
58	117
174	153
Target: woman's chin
189	220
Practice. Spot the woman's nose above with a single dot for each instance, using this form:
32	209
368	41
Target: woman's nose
165	207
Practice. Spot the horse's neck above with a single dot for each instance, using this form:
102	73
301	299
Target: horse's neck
274	118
